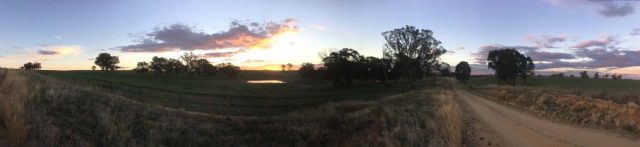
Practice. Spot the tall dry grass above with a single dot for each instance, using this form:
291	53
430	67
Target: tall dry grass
48	112
12	111
566	106
451	118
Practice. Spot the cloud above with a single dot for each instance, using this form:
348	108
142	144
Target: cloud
635	32
608	9
545	41
57	36
178	37
480	57
548	56
609	57
46	52
602	42
222	54
255	61
613	10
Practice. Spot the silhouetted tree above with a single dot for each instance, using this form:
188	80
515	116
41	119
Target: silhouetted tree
413	51
228	70
307	70
509	64
93	67
526	68
31	66
463	71
190	61
107	62
284	67
175	66
142	67
203	66
340	66
444	69
289	66
606	76
158	64
558	75
584	75
596	75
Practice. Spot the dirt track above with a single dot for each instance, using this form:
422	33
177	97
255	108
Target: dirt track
509	127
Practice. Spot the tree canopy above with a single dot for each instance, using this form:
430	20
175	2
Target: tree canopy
508	64
413	51
463	71
107	62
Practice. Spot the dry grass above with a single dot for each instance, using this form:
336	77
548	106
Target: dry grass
12	111
452	119
566	106
49	112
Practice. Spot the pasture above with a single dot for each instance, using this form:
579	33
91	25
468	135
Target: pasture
214	94
625	86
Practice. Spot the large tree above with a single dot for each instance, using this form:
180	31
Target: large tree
463	71
107	62
141	67
413	51
341	65
307	70
509	64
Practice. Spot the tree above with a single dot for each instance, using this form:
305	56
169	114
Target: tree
175	66
190	61
463	71
289	66
228	70
284	67
31	66
340	66
444	69
526	68
107	62
412	50
596	75
508	64
142	67
93	67
307	70
584	75
158	65
203	66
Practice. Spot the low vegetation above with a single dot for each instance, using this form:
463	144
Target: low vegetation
46	111
565	106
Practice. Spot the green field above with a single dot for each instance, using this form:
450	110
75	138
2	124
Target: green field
608	86
228	96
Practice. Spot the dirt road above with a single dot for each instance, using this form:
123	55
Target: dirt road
509	127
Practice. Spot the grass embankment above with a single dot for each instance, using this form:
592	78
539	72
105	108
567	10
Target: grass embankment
228	97
565	106
51	112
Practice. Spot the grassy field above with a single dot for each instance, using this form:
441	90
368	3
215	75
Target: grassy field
40	110
227	96
576	84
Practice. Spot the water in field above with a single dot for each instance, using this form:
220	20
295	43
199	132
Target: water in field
265	82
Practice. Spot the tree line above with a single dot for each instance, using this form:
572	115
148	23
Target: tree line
188	63
409	54
31	66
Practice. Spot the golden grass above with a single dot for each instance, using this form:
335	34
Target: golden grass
566	106
40	111
12	110
451	117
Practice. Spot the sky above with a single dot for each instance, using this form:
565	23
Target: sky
560	35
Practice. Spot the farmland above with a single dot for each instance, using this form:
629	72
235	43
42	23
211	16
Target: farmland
228	96
37	105
610	86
